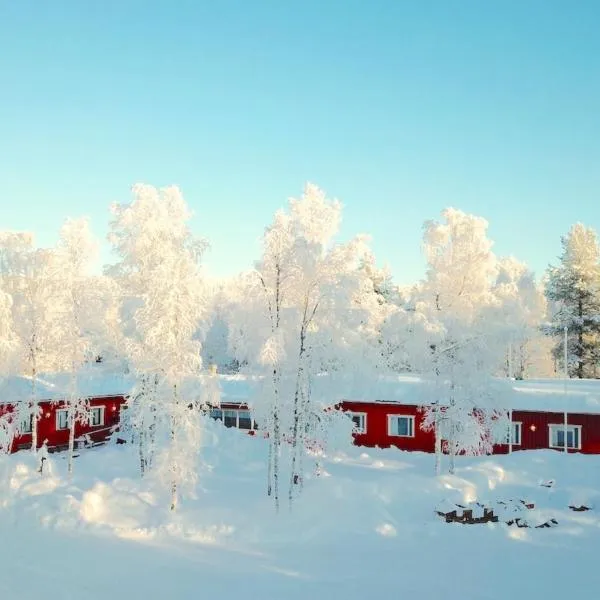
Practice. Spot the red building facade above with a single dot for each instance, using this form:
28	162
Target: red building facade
388	424
53	428
537	409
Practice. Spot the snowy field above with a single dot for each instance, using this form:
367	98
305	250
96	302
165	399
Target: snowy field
364	527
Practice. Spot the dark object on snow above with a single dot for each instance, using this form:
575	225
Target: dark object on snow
521	523
466	516
547	524
581	508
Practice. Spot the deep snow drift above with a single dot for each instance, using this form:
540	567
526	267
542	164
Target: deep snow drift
365	526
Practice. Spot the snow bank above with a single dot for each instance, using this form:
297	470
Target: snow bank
363	526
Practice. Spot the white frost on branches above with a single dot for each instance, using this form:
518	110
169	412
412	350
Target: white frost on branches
165	299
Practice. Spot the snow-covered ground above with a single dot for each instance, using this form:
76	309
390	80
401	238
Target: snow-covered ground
363	528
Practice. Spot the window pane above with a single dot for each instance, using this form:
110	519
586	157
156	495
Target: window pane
402	426
216	413
245	422
25	425
516	433
96	417
359	422
62	419
230	418
560	437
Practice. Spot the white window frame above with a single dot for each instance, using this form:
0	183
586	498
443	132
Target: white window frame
237	412
516	427
504	440
102	410
58	413
561	427
363	416
28	422
411	428
240	417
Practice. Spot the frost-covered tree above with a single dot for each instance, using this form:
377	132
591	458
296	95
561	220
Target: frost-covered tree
78	308
215	339
7	348
307	310
521	309
166	297
574	285
7	334
30	277
464	347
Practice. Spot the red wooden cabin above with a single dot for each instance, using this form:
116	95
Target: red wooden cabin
536	406
537	413
105	402
54	430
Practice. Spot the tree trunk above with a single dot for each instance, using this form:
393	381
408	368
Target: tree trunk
438	443
452	440
141	431
151	440
33	411
276	443
452	449
174	494
141	434
71	418
294	476
580	348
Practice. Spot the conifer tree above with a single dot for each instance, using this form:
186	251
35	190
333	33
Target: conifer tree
574	286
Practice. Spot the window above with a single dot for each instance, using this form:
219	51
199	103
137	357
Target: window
557	436
360	422
401	426
516	433
502	437
96	416
216	413
230	418
239	418
62	419
26	425
244	420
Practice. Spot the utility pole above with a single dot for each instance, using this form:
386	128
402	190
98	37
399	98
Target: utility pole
566	376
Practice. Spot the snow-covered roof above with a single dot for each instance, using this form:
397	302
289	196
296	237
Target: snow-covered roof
581	396
555	395
56	386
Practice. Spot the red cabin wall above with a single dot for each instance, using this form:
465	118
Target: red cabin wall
60	438
377	426
535	431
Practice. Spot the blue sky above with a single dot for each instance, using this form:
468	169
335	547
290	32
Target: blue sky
398	108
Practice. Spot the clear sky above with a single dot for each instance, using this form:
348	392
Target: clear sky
398	108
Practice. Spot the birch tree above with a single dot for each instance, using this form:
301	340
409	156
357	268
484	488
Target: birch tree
159	272
521	309
7	350
30	277
78	306
306	305
465	349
